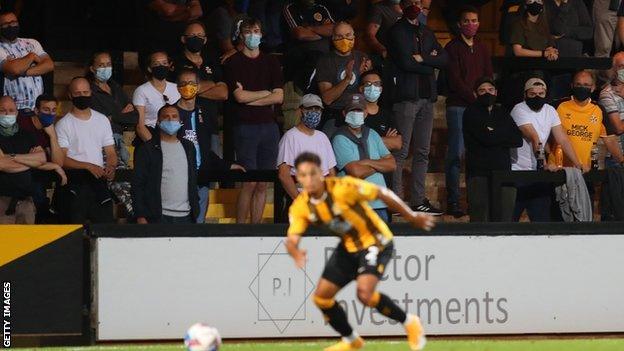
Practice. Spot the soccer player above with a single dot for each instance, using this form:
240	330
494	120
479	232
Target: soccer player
341	205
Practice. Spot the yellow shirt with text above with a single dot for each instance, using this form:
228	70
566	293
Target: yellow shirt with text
344	211
583	126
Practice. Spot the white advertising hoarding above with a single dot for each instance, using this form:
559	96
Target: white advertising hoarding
154	288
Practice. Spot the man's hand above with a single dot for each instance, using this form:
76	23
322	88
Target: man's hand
421	220
418	58
239	86
551	167
61	174
49	130
97	171
237	167
585	168
128	108
300	257
141	220
392	132
349	70
109	173
366	65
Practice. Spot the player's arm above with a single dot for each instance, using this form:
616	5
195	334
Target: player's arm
292	246
418	220
298	226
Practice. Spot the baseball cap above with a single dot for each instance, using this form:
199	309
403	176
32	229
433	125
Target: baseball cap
311	100
484	80
534	83
356	102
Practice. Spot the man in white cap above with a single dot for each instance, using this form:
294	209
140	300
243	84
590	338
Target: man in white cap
536	120
304	138
360	151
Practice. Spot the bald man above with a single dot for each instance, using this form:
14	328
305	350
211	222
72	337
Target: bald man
83	135
19	154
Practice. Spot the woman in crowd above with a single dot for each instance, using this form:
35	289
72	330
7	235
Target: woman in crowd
155	93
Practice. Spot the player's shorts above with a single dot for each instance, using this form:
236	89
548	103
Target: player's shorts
343	267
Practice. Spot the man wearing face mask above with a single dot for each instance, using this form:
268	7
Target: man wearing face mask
164	182
311	25
414	54
469	60
19	154
379	118
583	122
85	136
23	63
360	152
337	74
489	133
201	58
197	129
304	138
255	83
383	16
537	121
41	125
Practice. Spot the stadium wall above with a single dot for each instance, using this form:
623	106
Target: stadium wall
462	279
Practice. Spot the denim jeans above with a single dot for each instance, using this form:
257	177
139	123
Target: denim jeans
204	193
455	152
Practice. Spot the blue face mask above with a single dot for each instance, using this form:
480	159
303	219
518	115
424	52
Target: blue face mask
311	119
372	93
355	119
170	127
46	119
252	41
7	121
103	74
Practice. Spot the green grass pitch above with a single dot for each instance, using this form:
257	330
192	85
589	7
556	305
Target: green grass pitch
378	345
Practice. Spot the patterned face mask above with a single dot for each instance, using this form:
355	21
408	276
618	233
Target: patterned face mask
188	91
311	119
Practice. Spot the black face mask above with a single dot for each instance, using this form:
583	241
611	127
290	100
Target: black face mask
581	93
534	8
10	33
486	99
81	102
160	72
194	44
535	103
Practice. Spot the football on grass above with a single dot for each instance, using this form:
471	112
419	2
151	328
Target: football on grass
200	337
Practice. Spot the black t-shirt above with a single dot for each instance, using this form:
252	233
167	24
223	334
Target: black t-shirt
331	68
17	184
314	15
380	122
211	70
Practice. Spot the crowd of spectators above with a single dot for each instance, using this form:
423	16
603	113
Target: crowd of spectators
365	108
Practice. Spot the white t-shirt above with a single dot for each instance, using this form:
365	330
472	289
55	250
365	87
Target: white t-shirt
84	140
295	142
522	158
146	95
23	89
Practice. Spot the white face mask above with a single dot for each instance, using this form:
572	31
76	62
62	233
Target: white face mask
355	119
620	75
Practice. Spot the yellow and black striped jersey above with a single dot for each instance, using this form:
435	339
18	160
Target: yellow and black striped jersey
344	211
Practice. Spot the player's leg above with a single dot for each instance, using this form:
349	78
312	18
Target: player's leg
339	271
372	264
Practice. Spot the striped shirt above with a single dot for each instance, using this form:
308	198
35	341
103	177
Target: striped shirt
23	89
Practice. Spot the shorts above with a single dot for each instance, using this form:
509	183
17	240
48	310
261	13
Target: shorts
343	267
256	145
